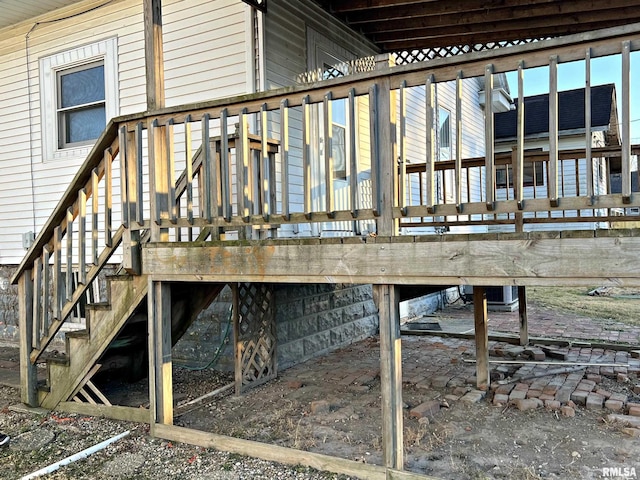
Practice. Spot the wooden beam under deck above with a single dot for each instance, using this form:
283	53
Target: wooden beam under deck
603	257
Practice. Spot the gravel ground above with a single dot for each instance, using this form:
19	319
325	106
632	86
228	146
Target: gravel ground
38	441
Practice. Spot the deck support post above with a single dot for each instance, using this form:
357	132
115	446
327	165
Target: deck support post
28	372
160	362
524	321
154	58
480	316
388	302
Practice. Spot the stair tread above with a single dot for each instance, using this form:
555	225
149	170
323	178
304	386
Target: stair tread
55	357
99	306
78	334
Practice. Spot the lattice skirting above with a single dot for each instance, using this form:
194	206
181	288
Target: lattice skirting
255	334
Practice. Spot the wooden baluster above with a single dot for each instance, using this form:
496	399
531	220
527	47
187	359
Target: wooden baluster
139	210
402	150
519	159
58	294
224	167
242	168
458	169
124	183
553	131
69	235
490	169
376	194
189	172
37	295
284	174
131	260
46	274
625	128
353	159
94	216
328	154
207	167
108	198
28	370
269	162
587	124
306	154
171	173
430	147
82	227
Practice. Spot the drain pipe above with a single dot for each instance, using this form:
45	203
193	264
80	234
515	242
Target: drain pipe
74	458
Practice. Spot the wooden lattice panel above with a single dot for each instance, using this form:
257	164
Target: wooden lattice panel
255	332
425	54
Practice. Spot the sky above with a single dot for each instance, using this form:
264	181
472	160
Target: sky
572	75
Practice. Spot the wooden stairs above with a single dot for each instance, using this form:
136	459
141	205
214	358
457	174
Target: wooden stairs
126	295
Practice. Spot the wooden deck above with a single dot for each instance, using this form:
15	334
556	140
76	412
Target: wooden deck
161	190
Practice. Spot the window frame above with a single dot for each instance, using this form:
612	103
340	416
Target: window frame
61	112
528	181
103	51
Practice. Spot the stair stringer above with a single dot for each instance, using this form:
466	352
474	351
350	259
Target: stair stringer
125	294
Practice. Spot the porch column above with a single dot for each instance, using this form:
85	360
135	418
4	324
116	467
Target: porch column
387	299
28	372
480	316
154	62
160	362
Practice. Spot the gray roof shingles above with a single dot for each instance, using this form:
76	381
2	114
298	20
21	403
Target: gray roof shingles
570	112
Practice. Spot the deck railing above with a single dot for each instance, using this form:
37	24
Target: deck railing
290	161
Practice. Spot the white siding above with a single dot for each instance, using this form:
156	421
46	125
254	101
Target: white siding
286	49
205	58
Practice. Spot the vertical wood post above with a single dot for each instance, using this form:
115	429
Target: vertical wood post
154	62
387	300
160	363
131	254
235	311
28	373
480	316
524	321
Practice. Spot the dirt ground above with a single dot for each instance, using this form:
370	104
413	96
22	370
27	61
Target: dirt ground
316	408
331	405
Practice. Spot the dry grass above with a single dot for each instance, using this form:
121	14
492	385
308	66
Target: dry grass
575	300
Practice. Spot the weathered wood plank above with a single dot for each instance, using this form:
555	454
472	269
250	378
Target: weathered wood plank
430	147
154	62
242	168
458	159
116	412
95	211
480	317
528	261
82	236
284	173
351	152
587	121
625	127
225	168
160	375
522	313
490	169
274	453
28	371
327	111
553	132
306	154
387	300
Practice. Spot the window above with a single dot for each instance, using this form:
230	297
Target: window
444	134
532	176
81	104
79	95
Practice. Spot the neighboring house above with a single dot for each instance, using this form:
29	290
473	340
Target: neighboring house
571	135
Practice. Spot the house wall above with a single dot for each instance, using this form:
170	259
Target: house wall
209	62
472	142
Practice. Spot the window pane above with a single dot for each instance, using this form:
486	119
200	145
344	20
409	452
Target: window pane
338	152
84	125
81	87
